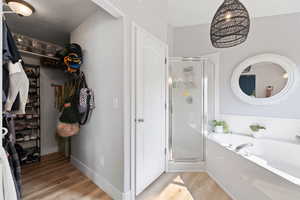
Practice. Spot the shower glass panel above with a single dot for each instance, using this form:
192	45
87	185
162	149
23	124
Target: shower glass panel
189	88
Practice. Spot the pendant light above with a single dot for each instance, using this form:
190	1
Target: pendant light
20	7
230	25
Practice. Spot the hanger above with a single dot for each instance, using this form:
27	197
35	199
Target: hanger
7	12
7	115
4	131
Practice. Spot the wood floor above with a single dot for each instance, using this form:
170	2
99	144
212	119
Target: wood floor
56	179
184	186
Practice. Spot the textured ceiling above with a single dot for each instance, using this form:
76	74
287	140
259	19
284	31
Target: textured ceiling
53	20
192	12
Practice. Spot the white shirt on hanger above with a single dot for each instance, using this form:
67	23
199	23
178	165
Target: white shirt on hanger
7	189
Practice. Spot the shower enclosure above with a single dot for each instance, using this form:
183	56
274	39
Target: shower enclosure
191	103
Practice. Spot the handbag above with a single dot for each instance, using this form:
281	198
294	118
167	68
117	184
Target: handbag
67	130
86	100
68	124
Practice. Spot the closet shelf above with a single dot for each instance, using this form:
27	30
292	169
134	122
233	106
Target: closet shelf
38	55
23	118
32	106
27	129
31	140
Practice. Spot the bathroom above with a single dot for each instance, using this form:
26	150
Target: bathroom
258	116
199	101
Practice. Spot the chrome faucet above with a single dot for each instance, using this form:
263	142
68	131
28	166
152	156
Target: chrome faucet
242	146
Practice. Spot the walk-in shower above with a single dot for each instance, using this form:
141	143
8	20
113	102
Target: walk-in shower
191	107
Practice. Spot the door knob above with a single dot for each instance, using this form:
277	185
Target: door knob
140	120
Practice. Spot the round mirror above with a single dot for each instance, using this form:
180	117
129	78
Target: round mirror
264	79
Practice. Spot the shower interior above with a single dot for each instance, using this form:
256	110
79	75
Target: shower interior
191	107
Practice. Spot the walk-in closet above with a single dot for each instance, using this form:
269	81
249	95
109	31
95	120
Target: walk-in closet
54	53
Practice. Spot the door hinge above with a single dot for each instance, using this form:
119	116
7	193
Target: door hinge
166	60
166	151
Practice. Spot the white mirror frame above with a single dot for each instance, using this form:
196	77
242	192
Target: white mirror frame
288	65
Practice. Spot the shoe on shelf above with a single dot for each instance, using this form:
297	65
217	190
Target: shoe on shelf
33	137
19	138
27	138
20	126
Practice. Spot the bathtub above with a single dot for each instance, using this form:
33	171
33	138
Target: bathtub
267	170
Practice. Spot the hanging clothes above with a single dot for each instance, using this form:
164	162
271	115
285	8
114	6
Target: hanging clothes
10	50
5	82
15	167
10	53
5	88
8	190
15	88
9	123
19	84
12	155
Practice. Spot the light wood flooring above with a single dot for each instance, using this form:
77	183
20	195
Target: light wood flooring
56	179
184	186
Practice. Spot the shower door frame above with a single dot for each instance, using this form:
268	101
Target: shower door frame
202	60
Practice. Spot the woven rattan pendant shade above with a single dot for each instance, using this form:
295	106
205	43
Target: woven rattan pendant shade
231	24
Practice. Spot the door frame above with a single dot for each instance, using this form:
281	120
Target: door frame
134	28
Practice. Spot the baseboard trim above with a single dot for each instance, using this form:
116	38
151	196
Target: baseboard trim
221	184
100	181
49	150
128	196
116	194
186	167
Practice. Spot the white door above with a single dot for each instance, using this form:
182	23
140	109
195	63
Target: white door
150	67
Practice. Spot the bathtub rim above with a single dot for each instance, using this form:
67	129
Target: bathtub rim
277	172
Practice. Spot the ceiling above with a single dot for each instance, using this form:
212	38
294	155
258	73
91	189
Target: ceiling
53	20
193	12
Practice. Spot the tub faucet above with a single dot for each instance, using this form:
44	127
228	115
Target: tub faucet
242	146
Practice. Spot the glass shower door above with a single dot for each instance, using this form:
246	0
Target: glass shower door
186	87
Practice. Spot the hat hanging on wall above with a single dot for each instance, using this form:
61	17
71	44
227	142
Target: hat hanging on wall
20	7
231	25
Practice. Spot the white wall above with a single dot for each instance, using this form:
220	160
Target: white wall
171	40
277	34
49	114
276	128
106	139
99	146
151	16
